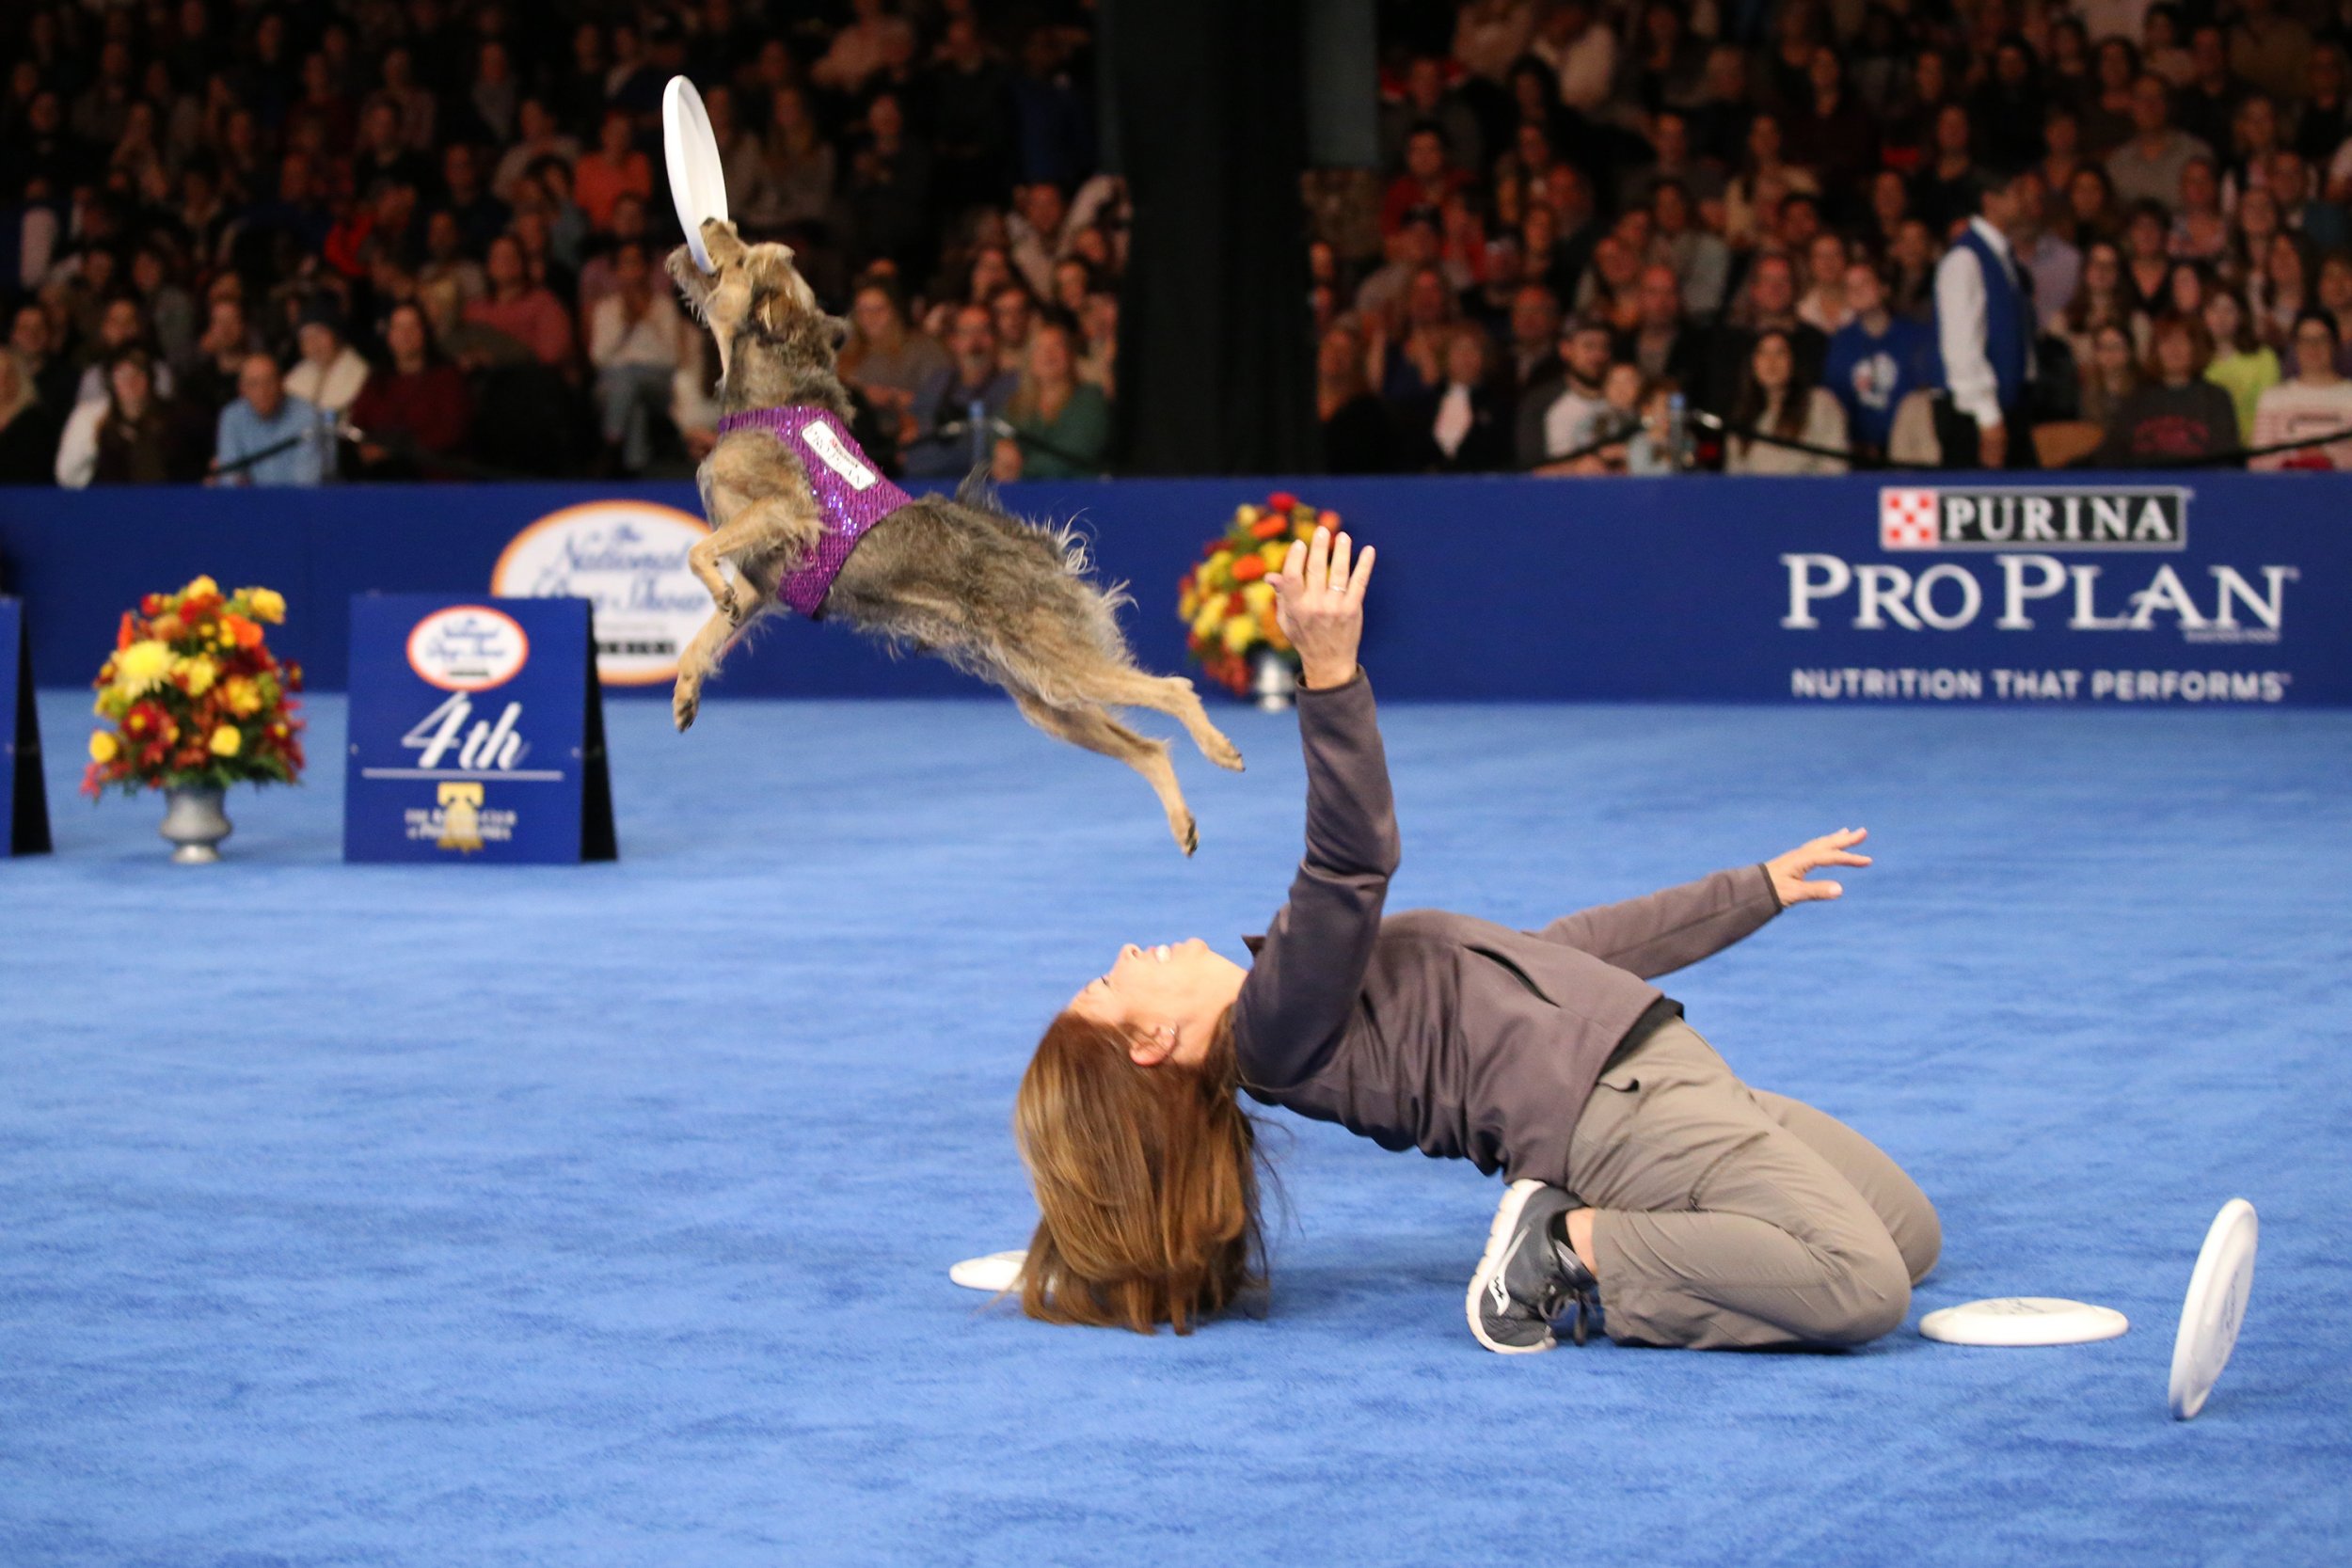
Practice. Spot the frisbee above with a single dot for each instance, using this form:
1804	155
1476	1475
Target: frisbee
996	1273
2215	1307
2016	1321
698	182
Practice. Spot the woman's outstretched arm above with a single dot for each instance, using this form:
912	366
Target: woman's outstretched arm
1664	932
1310	969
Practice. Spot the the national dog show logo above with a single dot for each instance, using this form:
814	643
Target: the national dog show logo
628	558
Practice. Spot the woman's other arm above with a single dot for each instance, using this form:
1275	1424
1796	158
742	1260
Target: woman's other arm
1671	929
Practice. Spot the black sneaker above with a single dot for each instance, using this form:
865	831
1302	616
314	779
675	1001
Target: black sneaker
1529	1276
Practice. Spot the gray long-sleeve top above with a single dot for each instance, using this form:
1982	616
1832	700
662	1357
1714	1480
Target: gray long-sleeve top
1458	1037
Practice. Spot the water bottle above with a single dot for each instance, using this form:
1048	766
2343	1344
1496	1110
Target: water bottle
1678	434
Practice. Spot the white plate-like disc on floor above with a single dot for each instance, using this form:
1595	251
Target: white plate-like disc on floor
698	182
2216	1307
2023	1321
997	1272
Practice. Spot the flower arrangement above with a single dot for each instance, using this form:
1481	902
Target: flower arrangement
195	698
1227	600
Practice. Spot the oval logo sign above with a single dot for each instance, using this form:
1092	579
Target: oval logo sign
628	558
467	647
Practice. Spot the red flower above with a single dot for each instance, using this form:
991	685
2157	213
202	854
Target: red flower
1281	501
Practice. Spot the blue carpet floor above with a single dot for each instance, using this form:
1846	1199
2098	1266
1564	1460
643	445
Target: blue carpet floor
585	1216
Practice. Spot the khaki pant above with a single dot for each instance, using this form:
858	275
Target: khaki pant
1731	1218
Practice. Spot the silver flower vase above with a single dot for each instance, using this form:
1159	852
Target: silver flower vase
1272	681
193	820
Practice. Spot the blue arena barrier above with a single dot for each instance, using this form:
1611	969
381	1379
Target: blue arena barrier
2222	588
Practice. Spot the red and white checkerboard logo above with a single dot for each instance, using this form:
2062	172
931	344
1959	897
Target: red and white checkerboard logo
1907	521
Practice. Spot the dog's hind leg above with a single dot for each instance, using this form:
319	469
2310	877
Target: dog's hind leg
1054	656
1096	731
1117	685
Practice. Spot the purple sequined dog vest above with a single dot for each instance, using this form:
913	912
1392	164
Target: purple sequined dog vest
852	493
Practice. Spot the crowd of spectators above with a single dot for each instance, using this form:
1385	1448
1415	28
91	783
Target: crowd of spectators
258	242
270	244
1946	233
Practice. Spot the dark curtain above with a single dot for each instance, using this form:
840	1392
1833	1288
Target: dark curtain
1215	357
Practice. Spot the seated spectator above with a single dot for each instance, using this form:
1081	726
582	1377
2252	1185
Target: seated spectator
2317	402
1038	231
1557	421
636	342
123	325
1763	179
1357	437
1701	260
133	437
330	372
1013	313
2175	413
886	358
541	138
1464	427
1650	450
1825	306
523	311
1664	343
2322	223
1876	360
28	442
615	168
1943	192
477	216
2148	166
215	379
2243	365
2278	291
1062	426
2201	229
414	410
2110	371
1533	354
2056	265
599	276
1769	304
1428	179
1098	326
268	419
1775	399
798	170
445	256
954	407
55	380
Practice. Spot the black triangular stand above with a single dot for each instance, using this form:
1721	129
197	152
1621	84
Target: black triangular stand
597	841
28	822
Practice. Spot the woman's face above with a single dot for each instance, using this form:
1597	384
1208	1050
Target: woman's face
130	385
1337	356
2086	195
2115	65
1764	138
2103	269
1889	198
1825	260
2314	353
2146	237
2335	283
2286	264
405	334
2199	191
2176	356
1771	363
2188	290
1951	130
2258	213
2111	351
1070	284
872	313
1169	986
1049	357
2223	317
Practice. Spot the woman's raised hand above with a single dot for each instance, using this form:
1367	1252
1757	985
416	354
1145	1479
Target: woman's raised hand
1789	871
1319	601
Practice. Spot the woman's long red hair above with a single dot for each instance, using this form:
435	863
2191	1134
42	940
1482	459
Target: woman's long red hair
1146	1180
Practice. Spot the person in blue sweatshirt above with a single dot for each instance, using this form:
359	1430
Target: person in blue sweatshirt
1875	360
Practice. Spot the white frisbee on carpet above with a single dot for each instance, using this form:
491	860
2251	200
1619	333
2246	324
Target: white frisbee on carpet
698	182
2216	1307
998	1271
2023	1321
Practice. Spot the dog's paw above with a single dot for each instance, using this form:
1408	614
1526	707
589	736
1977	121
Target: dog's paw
730	603
1187	835
1222	751
684	704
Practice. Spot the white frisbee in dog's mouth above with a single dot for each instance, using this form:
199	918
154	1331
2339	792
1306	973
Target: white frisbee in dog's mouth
698	182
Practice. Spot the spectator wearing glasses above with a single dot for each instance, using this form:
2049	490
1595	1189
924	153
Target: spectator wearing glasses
2316	401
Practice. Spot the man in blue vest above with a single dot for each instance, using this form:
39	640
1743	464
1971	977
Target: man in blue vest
1985	324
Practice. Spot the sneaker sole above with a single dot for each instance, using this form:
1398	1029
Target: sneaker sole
1498	1238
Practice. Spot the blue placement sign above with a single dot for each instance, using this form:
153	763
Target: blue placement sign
24	802
477	732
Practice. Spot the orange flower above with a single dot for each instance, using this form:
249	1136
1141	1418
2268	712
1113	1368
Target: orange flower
1269	528
247	634
123	636
1250	568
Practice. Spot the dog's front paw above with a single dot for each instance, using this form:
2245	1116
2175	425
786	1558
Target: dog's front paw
684	704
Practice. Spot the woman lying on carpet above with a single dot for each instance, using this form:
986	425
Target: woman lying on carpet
1650	1190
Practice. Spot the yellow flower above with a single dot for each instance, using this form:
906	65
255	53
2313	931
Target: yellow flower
1273	554
1247	516
268	604
1239	633
102	746
195	675
1204	624
142	665
1259	595
242	695
226	740
201	585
